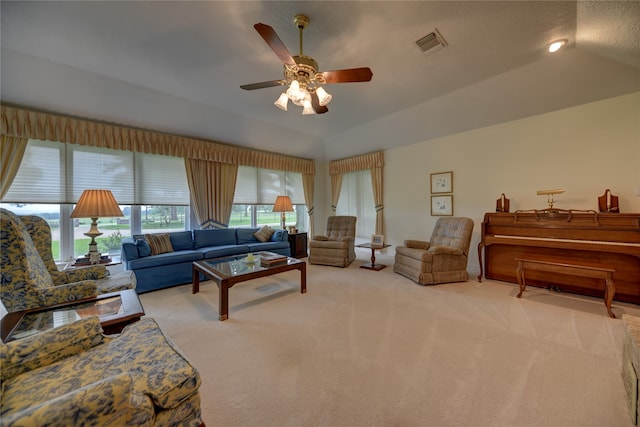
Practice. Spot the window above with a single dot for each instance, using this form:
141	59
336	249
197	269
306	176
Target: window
151	189
256	191
356	199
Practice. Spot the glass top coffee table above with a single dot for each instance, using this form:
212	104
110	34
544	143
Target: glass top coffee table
115	310
228	271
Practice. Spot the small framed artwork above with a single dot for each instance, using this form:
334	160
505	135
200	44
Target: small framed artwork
442	182
442	205
377	240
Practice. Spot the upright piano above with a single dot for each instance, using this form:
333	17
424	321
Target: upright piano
586	238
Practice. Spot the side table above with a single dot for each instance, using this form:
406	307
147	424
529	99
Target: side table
298	243
115	310
373	265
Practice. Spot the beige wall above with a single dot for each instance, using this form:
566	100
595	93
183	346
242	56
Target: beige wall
583	150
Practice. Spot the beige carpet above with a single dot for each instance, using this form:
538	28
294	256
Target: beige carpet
365	348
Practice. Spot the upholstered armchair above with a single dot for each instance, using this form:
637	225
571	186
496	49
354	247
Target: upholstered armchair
29	276
336	248
442	259
75	375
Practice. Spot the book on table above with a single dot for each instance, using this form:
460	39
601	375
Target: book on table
272	260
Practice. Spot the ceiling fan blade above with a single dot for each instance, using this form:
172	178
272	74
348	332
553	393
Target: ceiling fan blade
315	103
262	85
269	35
347	76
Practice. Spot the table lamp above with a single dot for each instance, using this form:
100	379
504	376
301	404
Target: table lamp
282	204
95	204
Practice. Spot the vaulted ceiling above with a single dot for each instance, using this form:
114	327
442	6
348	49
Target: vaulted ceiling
177	67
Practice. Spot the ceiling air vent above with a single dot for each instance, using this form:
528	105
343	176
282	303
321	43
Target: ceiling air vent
432	42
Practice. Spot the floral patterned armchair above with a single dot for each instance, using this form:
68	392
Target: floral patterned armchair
75	375
29	277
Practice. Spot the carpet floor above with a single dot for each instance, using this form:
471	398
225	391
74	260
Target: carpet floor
366	348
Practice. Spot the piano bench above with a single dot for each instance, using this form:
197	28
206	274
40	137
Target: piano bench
574	270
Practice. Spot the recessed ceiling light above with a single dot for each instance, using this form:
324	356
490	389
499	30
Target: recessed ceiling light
556	45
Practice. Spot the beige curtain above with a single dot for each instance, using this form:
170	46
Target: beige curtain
373	161
211	186
336	184
376	185
307	185
12	149
19	122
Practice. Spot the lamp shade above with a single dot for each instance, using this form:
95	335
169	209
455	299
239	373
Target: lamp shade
282	204
96	204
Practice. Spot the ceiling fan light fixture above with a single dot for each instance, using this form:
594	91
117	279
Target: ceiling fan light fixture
557	45
282	101
307	107
323	96
301	73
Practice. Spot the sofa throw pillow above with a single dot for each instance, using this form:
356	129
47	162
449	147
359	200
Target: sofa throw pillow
159	243
143	248
264	234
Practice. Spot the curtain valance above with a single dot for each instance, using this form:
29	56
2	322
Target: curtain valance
356	163
19	122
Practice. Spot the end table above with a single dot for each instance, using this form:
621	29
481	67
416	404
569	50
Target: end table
373	265
298	243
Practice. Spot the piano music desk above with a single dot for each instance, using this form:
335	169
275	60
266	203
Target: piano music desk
575	270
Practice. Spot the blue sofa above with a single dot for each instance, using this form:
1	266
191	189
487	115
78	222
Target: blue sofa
160	271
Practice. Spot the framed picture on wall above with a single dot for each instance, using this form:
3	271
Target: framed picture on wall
442	205
442	182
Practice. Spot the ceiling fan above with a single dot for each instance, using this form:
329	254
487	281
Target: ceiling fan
301	73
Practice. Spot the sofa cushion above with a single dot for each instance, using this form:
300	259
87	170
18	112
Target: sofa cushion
129	249
222	251
143	249
49	347
279	236
181	240
269	246
159	243
106	402
165	372
264	234
165	259
245	235
158	369
205	238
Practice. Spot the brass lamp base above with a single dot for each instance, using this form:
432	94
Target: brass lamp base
93	255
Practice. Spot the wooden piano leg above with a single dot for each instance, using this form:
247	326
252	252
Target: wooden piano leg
520	276
609	292
480	246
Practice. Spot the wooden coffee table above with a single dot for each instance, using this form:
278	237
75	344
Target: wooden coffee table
228	271
116	310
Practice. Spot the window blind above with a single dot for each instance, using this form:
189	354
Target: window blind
57	173
262	186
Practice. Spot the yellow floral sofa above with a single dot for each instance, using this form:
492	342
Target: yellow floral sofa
75	375
29	277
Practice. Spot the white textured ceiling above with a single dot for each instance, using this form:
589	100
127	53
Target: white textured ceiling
177	66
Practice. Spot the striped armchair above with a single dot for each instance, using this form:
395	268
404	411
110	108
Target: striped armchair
336	248
443	259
